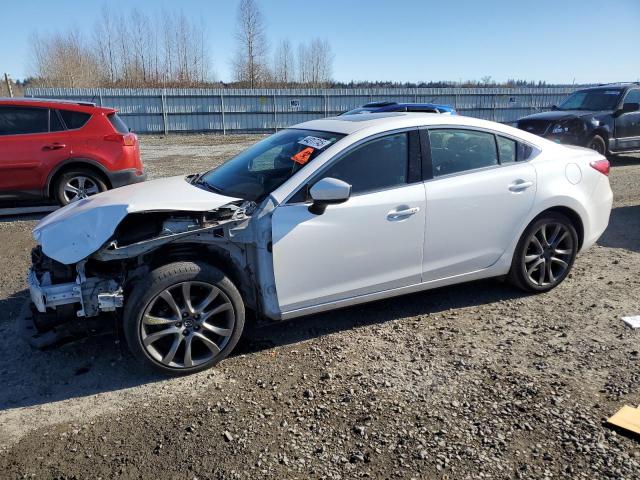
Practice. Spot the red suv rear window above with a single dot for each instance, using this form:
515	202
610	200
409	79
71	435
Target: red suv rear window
118	123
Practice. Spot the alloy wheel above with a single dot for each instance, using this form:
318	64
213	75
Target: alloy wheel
79	187
187	324
548	254
597	146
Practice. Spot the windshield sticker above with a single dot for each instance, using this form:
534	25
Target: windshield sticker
315	142
303	155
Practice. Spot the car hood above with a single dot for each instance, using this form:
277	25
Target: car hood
76	231
556	115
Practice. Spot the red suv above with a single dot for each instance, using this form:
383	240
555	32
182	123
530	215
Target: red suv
64	151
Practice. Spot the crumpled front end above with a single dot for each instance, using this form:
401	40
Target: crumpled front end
98	283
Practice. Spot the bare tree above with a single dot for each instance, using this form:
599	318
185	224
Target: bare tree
284	63
64	60
249	63
315	63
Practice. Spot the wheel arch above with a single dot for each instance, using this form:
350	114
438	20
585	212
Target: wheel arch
217	257
572	215
71	163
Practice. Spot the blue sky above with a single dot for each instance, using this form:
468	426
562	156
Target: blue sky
402	40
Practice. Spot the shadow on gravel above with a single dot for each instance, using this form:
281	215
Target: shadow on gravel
30	377
623	230
623	160
481	292
100	364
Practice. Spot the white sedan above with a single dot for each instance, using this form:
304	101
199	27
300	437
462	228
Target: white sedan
322	215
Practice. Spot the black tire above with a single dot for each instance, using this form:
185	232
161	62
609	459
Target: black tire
598	144
152	287
92	178
524	273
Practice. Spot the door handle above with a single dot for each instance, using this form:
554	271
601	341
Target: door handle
54	146
404	213
520	185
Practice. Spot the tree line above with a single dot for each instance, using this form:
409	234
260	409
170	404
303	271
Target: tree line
135	49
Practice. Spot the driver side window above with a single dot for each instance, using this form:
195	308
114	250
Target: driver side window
376	165
456	150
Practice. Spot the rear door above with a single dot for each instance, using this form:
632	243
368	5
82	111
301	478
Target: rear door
627	127
31	140
481	189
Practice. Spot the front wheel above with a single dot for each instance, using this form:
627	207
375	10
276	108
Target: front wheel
545	253
184	317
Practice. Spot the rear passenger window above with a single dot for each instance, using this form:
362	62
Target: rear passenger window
118	123
456	150
376	165
73	119
55	125
525	152
506	149
21	120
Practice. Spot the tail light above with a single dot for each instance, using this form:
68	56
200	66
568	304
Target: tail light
127	139
602	166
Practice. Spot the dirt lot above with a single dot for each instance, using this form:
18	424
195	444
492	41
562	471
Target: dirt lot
472	381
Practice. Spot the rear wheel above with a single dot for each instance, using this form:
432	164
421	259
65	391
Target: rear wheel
598	144
545	253
77	184
184	317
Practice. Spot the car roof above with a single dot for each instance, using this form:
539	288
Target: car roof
54	103
616	85
385	121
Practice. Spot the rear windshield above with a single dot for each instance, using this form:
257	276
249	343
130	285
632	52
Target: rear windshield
118	123
73	119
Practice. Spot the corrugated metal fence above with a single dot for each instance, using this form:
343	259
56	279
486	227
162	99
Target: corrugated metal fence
266	110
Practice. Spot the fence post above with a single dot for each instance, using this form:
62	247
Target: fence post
224	128
275	115
100	96
163	98
326	105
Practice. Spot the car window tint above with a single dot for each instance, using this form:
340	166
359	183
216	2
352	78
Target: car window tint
507	150
454	151
633	96
19	120
118	123
73	119
378	164
525	152
55	125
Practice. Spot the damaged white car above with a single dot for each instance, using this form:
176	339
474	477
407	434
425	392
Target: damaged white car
326	214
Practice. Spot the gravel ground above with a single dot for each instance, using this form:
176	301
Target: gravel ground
472	381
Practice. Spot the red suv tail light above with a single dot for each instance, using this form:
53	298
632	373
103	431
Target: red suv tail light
127	139
602	166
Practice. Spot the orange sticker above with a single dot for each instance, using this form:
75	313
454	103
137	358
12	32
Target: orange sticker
303	156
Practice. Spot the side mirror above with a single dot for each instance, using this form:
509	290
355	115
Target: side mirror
554	107
328	191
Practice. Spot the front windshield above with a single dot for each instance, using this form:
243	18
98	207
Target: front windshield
591	100
259	170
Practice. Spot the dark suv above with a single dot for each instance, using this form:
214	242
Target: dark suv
605	118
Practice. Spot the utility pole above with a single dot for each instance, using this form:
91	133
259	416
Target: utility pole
8	82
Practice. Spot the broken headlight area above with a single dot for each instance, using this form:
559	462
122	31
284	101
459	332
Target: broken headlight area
84	292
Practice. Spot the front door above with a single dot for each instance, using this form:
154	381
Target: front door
370	243
482	189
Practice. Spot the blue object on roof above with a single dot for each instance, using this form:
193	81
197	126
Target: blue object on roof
377	107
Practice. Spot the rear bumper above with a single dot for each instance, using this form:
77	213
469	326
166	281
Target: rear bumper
125	177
